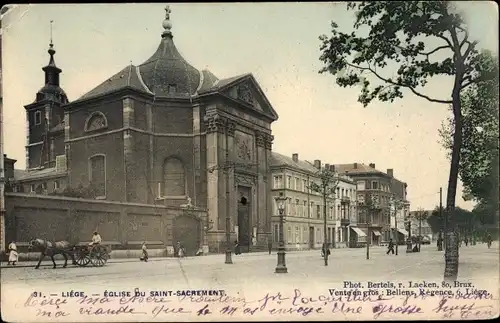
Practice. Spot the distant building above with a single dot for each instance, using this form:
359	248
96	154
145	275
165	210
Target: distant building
304	226
425	229
375	185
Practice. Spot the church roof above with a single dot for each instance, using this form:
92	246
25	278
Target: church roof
127	77
165	74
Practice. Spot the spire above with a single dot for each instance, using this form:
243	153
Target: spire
51	50
51	70
167	24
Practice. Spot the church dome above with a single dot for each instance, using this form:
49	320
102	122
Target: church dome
167	73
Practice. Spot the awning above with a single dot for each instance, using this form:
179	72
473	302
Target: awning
358	231
403	231
377	233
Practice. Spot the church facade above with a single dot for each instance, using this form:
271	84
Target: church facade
160	133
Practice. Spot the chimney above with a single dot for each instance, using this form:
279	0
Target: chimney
317	164
327	166
355	165
295	157
332	168
372	165
390	172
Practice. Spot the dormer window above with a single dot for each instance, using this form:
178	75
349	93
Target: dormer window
38	118
172	88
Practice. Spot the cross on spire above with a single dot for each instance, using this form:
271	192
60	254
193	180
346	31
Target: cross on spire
167	12
51	43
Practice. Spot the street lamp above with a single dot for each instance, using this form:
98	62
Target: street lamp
209	224
409	242
281	266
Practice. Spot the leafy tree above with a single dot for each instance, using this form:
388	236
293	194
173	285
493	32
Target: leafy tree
399	35
479	151
327	188
465	221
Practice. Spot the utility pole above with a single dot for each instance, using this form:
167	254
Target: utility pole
369	237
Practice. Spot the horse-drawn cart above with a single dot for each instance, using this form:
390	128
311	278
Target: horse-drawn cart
85	255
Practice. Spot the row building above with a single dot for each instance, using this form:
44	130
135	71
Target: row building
377	194
304	208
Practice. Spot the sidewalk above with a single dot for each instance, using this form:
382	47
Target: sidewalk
48	263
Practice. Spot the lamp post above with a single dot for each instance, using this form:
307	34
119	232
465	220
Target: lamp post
397	207
281	266
209	224
409	242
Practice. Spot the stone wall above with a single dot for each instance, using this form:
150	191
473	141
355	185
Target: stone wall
124	226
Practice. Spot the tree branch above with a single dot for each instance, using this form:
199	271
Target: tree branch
445	39
398	84
427	54
435	50
466	37
469	48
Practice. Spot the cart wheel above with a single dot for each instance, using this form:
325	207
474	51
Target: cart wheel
82	260
98	259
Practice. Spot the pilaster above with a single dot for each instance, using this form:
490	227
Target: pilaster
215	176
150	126
128	151
67	146
261	188
196	155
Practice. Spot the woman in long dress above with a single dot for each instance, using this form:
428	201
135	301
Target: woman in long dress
13	256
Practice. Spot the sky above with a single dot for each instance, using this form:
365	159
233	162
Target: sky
276	42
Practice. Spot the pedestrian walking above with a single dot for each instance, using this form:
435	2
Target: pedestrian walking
144	252
237	250
466	241
13	255
489	240
269	245
325	248
390	247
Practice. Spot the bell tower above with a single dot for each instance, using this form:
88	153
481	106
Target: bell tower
45	118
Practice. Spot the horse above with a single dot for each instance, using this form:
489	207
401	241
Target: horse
49	248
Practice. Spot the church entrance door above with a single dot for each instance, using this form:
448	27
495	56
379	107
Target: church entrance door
244	238
186	230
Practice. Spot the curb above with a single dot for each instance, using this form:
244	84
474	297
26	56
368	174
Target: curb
69	264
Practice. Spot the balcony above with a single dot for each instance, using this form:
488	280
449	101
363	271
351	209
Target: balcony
345	222
345	200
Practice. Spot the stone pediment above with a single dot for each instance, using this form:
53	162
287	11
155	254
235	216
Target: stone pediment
246	91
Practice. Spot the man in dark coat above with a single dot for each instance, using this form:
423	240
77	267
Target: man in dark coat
390	247
237	250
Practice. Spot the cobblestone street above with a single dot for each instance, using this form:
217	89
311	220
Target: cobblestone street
256	269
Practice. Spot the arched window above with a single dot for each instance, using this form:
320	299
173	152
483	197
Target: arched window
97	175
97	120
174	182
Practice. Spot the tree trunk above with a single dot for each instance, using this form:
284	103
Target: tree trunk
451	252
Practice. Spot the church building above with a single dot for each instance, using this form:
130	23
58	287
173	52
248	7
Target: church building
161	132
